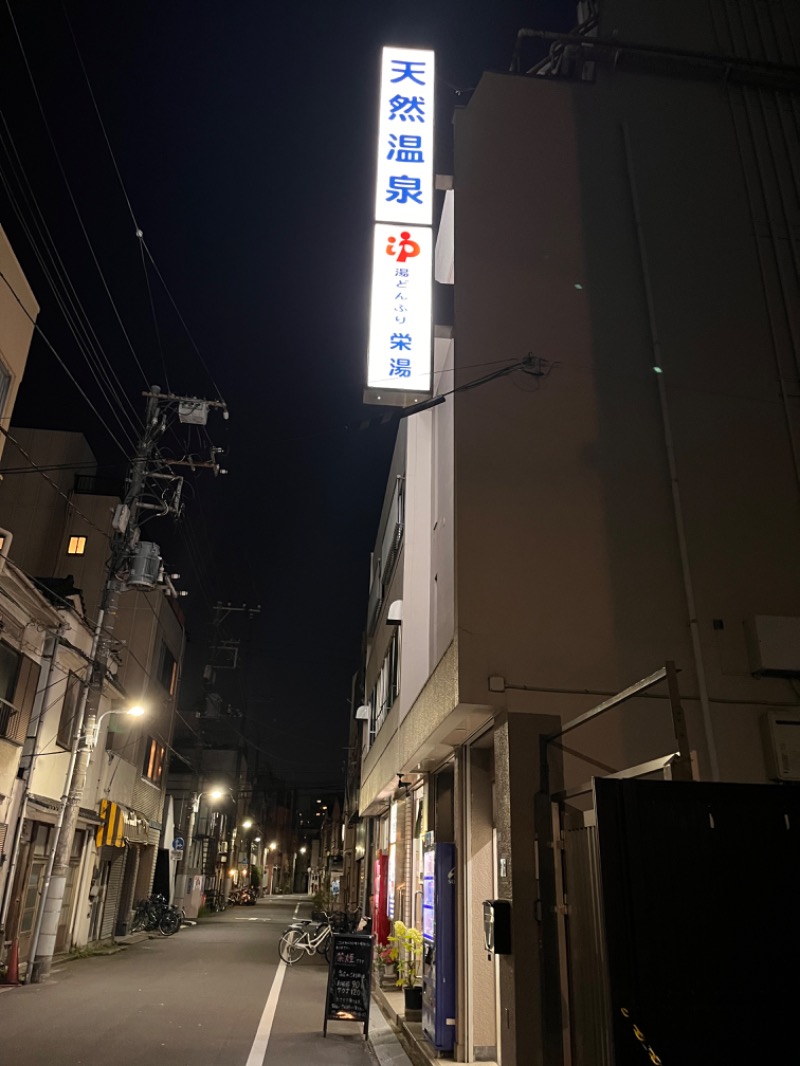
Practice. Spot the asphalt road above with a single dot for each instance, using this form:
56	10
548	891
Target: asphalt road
199	998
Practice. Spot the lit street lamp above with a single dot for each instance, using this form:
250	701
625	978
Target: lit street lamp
215	793
134	712
301	851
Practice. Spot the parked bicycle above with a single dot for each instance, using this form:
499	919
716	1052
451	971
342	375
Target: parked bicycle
305	937
215	901
349	921
156	912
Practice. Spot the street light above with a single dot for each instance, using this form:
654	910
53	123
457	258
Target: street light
135	712
214	793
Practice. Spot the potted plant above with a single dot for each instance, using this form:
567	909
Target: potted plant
407	943
385	958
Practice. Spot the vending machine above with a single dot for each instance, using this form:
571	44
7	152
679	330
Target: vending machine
439	943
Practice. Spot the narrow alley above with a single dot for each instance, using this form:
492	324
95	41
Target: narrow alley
216	993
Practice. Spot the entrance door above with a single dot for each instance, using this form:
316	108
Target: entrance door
31	881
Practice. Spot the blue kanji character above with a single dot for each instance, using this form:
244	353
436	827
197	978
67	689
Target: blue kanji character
408	68
405	148
400	368
400	342
403	189
401	272
407	108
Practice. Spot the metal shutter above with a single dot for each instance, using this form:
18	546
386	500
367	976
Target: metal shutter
113	892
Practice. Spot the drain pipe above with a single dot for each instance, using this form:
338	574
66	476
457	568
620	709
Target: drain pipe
680	528
29	752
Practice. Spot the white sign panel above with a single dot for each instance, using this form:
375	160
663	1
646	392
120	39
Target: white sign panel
399	356
404	191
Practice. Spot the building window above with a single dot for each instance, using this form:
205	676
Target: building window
153	769
76	546
9	669
168	670
387	687
69	711
5	383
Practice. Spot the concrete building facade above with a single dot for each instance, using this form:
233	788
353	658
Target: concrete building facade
623	228
60	526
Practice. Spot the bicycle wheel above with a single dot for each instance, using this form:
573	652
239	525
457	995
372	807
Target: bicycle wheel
170	922
324	945
138	921
290	947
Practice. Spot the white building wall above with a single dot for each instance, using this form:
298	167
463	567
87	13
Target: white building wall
416	626
442	575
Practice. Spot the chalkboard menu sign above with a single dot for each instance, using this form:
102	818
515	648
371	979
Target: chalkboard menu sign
349	979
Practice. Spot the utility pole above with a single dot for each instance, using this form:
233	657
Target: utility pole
225	650
133	564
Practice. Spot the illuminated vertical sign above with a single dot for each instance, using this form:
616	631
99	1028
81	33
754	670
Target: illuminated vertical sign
404	187
400	311
399	352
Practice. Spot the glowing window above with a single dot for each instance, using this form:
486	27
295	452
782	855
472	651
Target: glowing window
153	769
76	546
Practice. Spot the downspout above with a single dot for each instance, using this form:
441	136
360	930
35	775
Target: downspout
78	736
680	528
29	754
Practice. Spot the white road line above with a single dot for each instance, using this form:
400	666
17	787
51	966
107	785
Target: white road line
259	1049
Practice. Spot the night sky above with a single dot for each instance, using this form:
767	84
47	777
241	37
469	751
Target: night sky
244	136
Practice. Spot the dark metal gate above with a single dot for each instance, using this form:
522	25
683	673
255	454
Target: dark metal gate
673	923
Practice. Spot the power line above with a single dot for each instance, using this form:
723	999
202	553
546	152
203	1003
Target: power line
63	365
137	228
75	315
69	190
49	480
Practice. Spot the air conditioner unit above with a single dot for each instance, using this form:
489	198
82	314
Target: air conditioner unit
781	733
774	645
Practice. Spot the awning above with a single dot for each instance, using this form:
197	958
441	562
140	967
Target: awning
89	817
43	809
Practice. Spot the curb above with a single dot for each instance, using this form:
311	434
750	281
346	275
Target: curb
383	1039
398	1042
